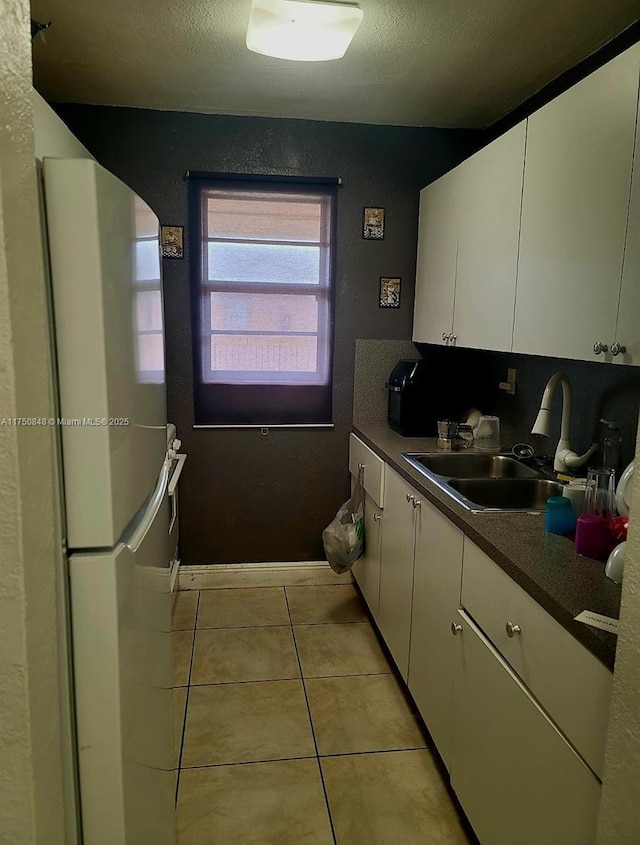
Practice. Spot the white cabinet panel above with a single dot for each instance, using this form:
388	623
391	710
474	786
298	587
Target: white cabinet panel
366	570
516	777
628	328
373	467
436	597
559	671
574	212
436	263
396	568
489	229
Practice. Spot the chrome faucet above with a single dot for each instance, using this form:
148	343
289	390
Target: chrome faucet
565	460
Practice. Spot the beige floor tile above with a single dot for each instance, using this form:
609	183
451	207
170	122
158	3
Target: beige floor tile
235	723
225	655
397	797
325	604
361	713
348	649
242	607
184	610
181	643
256	804
179	712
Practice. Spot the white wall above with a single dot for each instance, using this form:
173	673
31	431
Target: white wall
620	810
52	138
31	794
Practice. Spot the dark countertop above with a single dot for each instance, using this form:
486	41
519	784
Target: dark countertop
545	565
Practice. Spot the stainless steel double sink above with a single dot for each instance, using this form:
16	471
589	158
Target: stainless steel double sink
482	482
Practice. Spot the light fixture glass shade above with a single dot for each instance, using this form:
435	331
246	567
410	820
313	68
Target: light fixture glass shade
302	30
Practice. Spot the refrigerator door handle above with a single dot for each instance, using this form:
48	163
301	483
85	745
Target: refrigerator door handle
180	458
140	531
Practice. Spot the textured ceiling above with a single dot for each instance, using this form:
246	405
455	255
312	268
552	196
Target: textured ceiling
456	63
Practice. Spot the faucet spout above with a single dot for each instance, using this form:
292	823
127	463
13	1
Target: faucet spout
565	459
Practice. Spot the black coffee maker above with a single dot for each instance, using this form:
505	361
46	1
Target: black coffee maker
419	396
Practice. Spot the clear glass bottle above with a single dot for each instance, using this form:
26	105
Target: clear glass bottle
611	446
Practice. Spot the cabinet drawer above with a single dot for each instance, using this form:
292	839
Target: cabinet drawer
570	683
517	778
373	468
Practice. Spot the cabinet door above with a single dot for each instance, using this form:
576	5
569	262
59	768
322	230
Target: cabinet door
558	670
396	568
488	238
516	777
628	327
436	263
366	569
436	597
576	193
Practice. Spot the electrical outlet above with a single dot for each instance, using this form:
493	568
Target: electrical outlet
509	386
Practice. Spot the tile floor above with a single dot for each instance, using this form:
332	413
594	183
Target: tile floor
291	728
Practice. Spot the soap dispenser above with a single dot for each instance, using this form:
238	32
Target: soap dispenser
611	446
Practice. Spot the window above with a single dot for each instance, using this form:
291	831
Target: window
262	268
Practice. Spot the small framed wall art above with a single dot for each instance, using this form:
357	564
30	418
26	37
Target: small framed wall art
389	292
373	224
172	241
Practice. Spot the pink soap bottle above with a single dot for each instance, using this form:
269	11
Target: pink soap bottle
594	537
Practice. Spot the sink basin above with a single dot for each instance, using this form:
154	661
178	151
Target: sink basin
505	494
486	482
470	465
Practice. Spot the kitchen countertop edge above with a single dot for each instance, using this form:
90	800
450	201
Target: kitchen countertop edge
545	565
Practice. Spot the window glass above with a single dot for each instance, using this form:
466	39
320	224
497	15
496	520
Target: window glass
261	312
269	263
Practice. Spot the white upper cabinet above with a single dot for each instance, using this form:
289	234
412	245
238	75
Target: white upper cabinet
574	214
436	264
627	335
490	197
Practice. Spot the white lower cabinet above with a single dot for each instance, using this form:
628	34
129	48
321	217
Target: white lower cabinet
436	597
366	570
514	773
561	672
497	699
396	567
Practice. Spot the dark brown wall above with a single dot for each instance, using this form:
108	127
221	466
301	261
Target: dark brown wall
245	497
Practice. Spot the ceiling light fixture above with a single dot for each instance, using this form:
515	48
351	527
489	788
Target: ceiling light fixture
302	30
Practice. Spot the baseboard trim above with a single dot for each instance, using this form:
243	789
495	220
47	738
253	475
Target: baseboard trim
285	574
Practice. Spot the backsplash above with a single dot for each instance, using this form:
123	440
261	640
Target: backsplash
374	361
609	391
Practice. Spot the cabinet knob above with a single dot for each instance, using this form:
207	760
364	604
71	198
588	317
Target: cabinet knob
377	517
512	629
456	628
616	349
446	336
416	503
600	347
410	498
452	339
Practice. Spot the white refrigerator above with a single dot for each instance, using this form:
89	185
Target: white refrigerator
116	463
